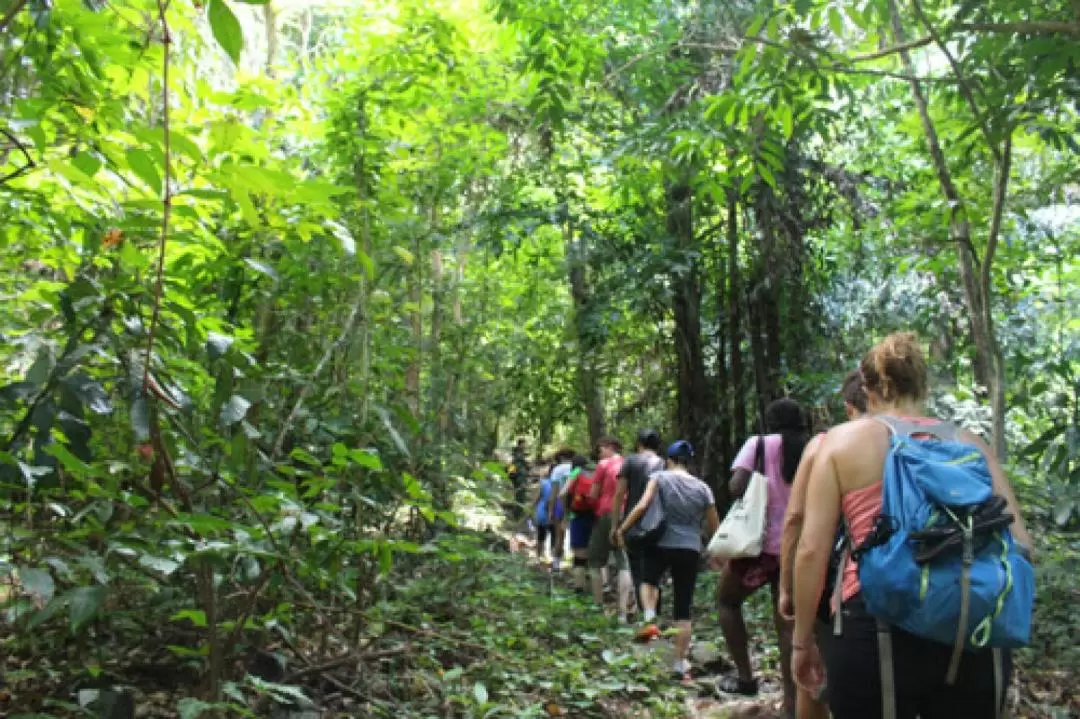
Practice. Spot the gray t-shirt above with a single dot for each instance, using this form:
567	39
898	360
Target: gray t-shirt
686	498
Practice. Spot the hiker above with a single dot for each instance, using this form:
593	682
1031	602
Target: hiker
633	478
775	455
605	487
518	472
687	504
807	704
874	669
577	496
560	473
542	515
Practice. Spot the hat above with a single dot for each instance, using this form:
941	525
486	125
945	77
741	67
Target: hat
682	448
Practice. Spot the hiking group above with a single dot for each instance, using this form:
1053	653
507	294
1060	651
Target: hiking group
896	554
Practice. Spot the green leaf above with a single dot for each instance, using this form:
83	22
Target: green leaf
366	458
159	564
196	616
92	395
836	21
75	466
1063	513
191	708
140	419
234	410
42	368
348	244
83	604
217	344
480	692
38	583
261	267
226	29
142	164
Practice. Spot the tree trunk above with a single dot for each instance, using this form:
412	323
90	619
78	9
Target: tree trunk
693	395
990	370
589	384
738	391
767	296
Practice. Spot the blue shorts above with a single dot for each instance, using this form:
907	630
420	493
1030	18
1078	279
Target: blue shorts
581	530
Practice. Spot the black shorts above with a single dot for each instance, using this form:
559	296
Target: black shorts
920	666
683	564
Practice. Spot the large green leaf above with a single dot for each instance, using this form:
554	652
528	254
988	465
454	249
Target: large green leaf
83	604
191	708
144	167
38	583
226	29
234	410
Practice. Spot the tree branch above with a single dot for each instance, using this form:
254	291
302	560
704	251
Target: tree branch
1001	191
902	47
961	80
30	164
1030	27
14	10
936	154
166	197
354	314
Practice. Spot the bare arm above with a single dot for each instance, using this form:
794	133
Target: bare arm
819	528
1003	489
793	517
712	520
636	512
740	480
616	507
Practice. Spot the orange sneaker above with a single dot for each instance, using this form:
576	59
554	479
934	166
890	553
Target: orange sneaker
647	633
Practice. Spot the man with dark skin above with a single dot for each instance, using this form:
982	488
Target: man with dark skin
519	472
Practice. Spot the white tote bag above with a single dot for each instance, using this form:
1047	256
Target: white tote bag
742	533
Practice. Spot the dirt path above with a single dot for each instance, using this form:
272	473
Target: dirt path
706	655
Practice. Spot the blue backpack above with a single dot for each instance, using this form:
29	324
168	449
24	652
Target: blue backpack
941	562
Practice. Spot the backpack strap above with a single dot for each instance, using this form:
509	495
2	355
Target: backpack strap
838	592
944	431
888	673
999	684
968	558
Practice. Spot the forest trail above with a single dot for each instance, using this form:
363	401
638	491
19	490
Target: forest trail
701	700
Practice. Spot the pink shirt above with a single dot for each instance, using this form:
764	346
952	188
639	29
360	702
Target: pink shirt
607	476
779	490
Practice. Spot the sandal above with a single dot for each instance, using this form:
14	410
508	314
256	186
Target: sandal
733	685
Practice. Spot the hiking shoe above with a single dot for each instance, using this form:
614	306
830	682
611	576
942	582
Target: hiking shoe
733	685
646	633
684	678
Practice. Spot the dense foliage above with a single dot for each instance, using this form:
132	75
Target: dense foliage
279	278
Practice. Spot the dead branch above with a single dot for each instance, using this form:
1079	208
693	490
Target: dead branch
345	660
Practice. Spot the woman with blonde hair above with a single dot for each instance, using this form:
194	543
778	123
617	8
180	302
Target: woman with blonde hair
874	669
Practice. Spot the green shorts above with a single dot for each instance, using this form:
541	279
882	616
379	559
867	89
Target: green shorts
600	546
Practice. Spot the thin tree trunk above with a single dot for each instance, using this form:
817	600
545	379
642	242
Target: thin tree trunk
990	372
588	383
270	20
738	391
692	402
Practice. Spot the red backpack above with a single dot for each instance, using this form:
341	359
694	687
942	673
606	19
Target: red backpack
581	499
